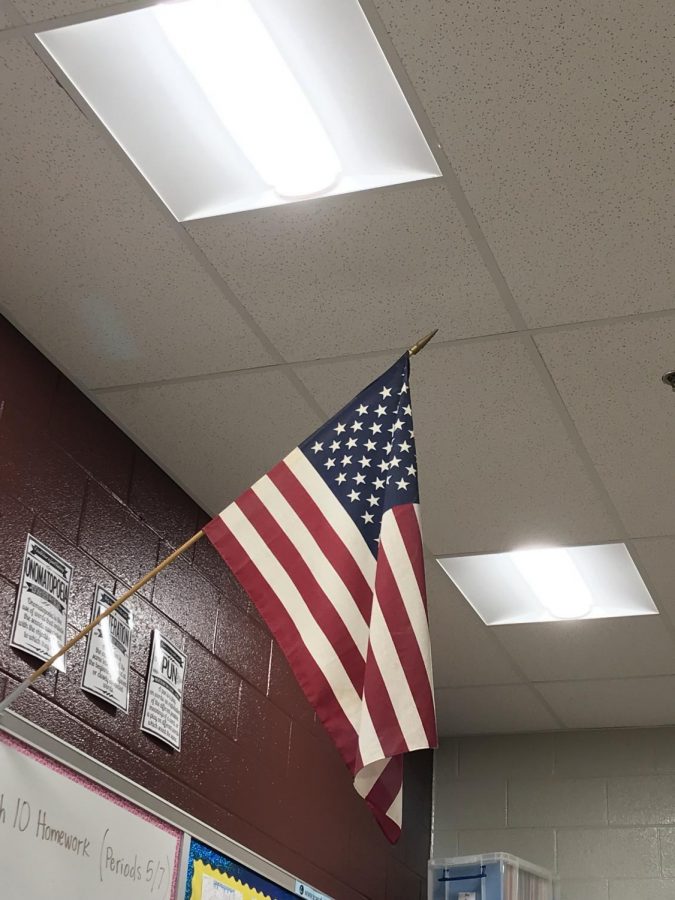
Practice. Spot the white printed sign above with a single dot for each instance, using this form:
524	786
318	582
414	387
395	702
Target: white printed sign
214	890
106	661
163	705
41	612
65	838
309	893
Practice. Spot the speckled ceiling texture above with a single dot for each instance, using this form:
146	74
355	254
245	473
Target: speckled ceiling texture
544	255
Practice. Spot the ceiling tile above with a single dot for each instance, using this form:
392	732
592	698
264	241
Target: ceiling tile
5	16
494	459
656	558
463	650
41	10
215	436
558	120
491	710
355	273
91	270
598	648
615	703
609	377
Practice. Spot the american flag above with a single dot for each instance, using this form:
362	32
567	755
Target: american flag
328	546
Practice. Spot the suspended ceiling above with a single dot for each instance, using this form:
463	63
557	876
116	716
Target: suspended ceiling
544	255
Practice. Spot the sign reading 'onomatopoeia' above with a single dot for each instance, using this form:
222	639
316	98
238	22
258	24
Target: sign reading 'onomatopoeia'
106	662
163	705
41	612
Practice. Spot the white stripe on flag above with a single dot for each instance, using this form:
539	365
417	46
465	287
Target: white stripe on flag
370	747
396	683
334	511
404	575
328	579
318	645
365	779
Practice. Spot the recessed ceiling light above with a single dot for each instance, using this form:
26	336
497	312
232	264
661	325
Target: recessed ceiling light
549	584
234	105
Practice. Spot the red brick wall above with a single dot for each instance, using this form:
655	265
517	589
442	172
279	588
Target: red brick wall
254	764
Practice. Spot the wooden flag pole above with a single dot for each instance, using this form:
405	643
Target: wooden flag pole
26	683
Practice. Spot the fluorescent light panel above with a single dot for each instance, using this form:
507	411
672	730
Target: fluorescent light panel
551	584
227	105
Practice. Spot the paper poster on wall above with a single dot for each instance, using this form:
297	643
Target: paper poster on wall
213	876
106	661
64	837
41	611
163	705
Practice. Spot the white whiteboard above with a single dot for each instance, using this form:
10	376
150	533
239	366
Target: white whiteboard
66	838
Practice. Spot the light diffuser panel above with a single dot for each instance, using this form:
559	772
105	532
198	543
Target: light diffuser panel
227	106
551	584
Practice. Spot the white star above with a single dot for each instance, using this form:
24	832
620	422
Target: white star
341	478
401	485
393	462
340	427
346	460
381	411
329	463
356	426
388	478
396	426
364	461
412	433
385	392
370	445
388	447
359	478
407	410
335	446
383	465
362	410
379	484
352	442
373	500
375	428
404	389
411	470
404	446
367	518
353	495
316	446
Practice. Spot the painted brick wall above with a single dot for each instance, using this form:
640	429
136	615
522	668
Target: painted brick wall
598	807
254	764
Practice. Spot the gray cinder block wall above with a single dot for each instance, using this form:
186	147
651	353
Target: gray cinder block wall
597	807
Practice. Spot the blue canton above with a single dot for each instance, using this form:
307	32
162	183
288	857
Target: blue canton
366	453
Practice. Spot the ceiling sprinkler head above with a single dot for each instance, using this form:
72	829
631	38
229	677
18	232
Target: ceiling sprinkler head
669	378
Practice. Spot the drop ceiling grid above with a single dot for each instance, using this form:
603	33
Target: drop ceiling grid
535	711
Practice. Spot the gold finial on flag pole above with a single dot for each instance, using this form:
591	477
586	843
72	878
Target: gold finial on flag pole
421	344
26	683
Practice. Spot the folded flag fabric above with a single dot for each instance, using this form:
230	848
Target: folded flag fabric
328	546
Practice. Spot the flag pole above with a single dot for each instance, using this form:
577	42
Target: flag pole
26	683
33	677
421	344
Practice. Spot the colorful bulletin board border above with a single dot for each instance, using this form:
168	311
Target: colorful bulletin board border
205	861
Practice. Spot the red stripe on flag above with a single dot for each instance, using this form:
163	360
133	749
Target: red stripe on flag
316	601
309	675
382	795
408	650
409	526
324	534
381	709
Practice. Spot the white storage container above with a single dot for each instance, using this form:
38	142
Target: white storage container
490	876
